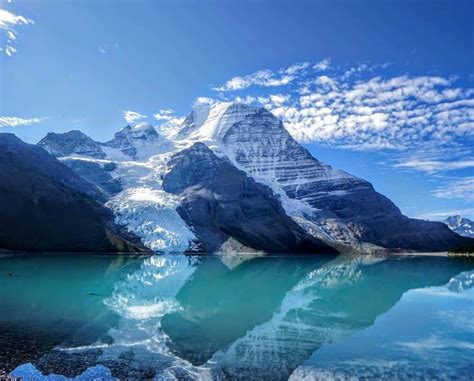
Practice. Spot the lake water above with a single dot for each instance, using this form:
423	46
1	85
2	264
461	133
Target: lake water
236	318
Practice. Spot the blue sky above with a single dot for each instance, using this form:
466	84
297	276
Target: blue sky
382	89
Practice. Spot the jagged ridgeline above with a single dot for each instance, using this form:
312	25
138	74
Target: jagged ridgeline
232	178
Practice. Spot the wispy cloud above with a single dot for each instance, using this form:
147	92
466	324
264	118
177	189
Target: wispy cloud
432	166
132	116
322	65
107	47
380	113
462	189
169	117
8	24
204	101
13	121
164	114
269	78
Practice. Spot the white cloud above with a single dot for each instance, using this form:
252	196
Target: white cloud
462	189
261	78
322	65
164	114
401	113
265	78
13	121
132	116
8	23
296	68
169	118
432	166
106	47
204	101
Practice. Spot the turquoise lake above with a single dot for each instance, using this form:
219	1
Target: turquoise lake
88	317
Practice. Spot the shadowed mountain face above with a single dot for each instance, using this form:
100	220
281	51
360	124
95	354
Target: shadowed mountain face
96	173
46	206
223	204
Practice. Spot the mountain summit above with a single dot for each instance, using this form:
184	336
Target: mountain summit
329	204
460	225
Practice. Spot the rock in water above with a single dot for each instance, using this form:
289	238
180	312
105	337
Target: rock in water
222	203
46	206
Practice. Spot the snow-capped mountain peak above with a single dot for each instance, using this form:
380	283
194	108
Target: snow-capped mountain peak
339	205
257	142
139	142
71	143
328	203
142	130
460	225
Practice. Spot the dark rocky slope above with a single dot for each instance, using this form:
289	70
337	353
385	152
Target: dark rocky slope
222	204
96	173
46	206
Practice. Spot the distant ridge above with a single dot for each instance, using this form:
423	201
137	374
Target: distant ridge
460	225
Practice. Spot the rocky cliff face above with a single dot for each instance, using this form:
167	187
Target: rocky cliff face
45	206
97	173
460	225
71	143
344	208
222	203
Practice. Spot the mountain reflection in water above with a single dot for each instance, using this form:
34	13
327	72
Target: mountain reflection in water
217	317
